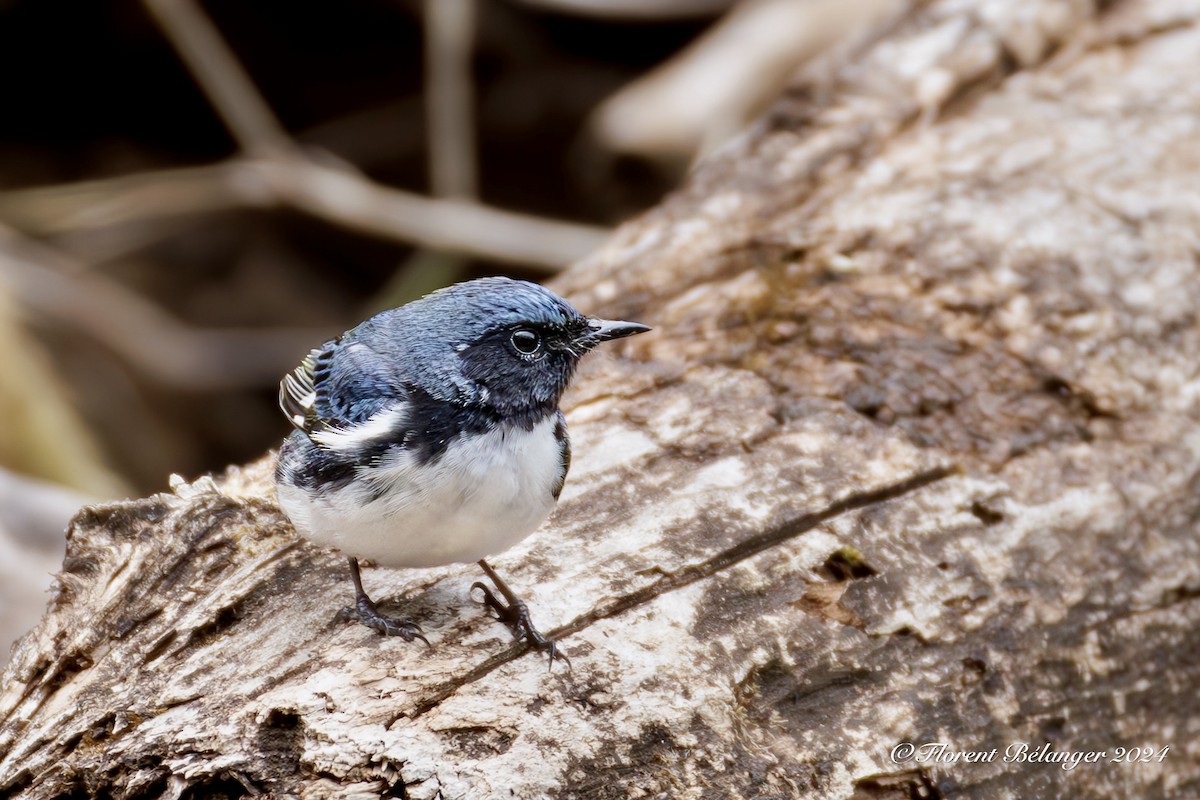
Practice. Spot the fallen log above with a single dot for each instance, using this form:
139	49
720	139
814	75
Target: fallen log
911	458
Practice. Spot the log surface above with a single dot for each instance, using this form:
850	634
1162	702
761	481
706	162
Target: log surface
912	456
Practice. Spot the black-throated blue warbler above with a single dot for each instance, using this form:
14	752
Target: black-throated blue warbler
430	434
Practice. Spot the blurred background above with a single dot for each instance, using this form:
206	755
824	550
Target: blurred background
194	194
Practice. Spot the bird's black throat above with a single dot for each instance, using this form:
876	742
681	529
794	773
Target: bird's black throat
425	431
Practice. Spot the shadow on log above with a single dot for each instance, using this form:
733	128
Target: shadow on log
912	456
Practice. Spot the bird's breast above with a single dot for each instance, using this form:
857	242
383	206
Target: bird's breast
500	468
481	495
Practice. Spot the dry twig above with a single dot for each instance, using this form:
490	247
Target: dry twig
449	40
49	283
329	191
337	193
221	77
699	99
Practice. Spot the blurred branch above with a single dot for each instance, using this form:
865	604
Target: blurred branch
43	433
635	9
341	196
91	205
449	42
335	193
703	96
148	338
221	77
331	192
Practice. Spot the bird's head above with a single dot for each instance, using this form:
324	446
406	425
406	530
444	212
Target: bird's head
510	345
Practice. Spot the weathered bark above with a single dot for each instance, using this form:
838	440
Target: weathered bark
912	456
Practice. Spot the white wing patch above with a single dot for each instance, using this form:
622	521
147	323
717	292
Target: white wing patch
382	424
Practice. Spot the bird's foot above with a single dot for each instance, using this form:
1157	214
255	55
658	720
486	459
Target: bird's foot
369	615
367	612
515	614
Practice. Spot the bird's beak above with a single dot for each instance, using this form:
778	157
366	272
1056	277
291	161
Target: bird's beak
605	330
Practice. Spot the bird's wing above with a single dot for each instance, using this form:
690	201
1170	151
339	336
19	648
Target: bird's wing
337	388
298	391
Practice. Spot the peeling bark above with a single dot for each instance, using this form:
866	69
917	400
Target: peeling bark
912	456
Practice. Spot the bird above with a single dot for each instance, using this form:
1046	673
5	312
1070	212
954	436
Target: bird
431	434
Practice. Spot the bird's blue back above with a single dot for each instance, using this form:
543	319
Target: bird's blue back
412	352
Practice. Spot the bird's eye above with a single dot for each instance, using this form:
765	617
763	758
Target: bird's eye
526	341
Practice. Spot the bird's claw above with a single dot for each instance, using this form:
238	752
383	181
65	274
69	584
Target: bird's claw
369	615
516	616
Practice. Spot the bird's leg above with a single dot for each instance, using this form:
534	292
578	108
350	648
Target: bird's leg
516	615
406	629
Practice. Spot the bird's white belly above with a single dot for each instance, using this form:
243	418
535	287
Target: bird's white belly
483	495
